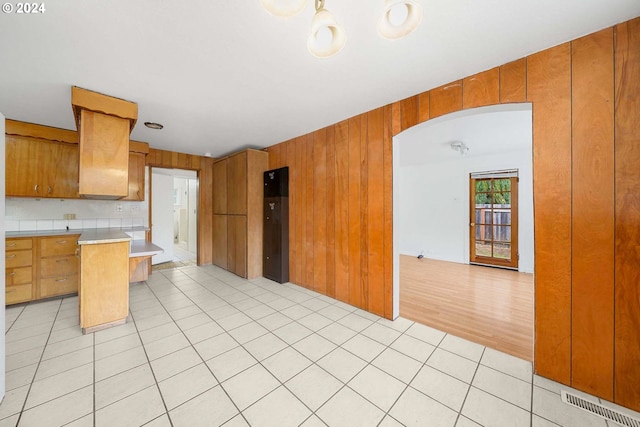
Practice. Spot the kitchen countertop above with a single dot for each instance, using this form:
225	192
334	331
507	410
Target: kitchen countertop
92	236
103	235
40	233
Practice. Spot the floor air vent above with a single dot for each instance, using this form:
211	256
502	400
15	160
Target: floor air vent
600	410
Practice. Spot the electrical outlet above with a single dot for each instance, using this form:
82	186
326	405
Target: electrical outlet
134	208
118	208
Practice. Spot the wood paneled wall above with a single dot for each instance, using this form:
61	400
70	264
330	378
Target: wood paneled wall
204	167
586	154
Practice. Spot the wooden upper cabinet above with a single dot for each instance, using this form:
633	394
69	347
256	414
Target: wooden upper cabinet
237	184
104	155
220	187
136	177
41	168
104	124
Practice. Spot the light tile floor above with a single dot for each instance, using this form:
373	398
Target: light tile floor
205	347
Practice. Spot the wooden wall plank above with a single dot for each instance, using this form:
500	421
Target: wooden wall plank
375	211
387	203
331	211
409	112
592	237
627	208
301	211
396	118
481	89
549	88
308	209
205	212
513	81
445	99
319	261
423	107
364	212
342	211
295	239
355	289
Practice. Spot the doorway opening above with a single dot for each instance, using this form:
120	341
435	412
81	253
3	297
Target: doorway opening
433	185
174	216
493	230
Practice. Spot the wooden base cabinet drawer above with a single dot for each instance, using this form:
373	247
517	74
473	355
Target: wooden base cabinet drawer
18	259
59	266
60	285
19	276
58	245
17	244
20	293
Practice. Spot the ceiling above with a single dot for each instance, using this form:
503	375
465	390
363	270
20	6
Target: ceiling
225	75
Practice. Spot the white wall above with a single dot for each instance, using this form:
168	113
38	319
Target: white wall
432	206
2	266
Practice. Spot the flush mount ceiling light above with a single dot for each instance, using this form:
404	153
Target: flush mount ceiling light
459	146
327	37
400	17
152	125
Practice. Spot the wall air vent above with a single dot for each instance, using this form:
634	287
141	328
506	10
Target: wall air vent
602	411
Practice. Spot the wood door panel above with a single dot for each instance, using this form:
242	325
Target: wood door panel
15	259
513	81
627	215
237	184
136	177
308	210
445	99
58	245
219	246
58	266
22	173
549	88
481	89
61	285
18	276
257	164
104	155
237	245
220	187
592	268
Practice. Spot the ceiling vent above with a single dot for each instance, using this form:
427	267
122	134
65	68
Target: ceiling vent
599	410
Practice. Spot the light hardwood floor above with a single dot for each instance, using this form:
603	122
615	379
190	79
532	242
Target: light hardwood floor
490	306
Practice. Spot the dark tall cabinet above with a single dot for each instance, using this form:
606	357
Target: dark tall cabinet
276	225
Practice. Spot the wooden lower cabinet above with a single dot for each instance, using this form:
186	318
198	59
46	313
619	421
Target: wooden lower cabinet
104	285
40	267
19	270
237	244
220	240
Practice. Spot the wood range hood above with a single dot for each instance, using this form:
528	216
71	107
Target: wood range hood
104	124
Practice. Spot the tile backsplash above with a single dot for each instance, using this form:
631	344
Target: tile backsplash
47	214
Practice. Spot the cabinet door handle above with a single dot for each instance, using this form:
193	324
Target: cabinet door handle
61	242
11	274
62	260
62	280
35	188
49	189
8	291
11	256
10	245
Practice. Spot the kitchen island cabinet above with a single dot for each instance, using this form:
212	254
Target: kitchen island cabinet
103	294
